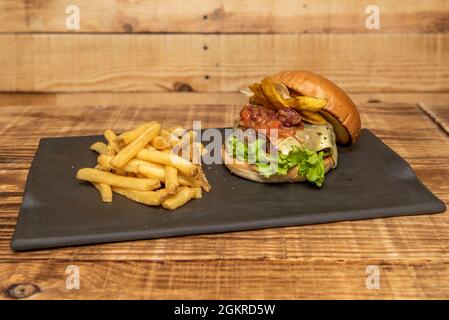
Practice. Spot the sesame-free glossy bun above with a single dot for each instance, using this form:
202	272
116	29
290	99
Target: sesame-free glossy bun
340	111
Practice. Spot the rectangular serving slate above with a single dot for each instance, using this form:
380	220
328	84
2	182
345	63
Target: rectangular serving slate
371	181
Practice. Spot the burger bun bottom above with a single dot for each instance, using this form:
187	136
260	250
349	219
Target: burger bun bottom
248	171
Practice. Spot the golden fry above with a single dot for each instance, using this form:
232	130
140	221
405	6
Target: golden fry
161	142
201	177
150	198
105	191
197	192
111	137
179	199
173	160
134	147
99	147
129	136
136	163
152	172
171	179
158	172
94	175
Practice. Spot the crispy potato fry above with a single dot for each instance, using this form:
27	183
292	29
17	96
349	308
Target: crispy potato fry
179	199
136	163
98	176
150	147
188	181
158	172
100	167
112	139
161	142
177	131
99	147
172	137
129	136
171	179
152	172
197	192
173	160
150	198
134	147
105	191
201	177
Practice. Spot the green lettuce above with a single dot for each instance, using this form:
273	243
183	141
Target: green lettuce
310	163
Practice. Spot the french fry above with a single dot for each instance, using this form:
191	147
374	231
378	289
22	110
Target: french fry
100	167
129	136
188	181
130	167
177	131
173	138
150	147
136	163
99	147
201	177
98	176
134	147
161	142
155	171
105	191
179	199
197	192
173	160
111	137
152	172
171	179
150	198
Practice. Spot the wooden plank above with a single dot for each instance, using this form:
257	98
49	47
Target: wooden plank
82	99
438	110
224	279
284	16
358	63
404	240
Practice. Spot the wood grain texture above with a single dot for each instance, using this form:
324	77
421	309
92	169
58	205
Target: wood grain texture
144	63
205	16
438	110
320	261
132	99
225	279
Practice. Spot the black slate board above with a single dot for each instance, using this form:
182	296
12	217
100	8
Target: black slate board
371	181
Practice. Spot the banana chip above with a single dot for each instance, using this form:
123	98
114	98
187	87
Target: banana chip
275	98
258	98
312	117
309	103
282	89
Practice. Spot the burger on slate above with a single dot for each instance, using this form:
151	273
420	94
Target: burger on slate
297	118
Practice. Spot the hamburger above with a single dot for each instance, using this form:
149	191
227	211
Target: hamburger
296	119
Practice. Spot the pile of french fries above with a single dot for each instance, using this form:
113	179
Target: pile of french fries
149	165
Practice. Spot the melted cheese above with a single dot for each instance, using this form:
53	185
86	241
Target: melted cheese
312	137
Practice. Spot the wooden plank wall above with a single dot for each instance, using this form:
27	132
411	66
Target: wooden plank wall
213	46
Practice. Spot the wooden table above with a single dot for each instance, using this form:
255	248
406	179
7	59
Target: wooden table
319	261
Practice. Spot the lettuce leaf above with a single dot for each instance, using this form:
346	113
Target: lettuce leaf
310	163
